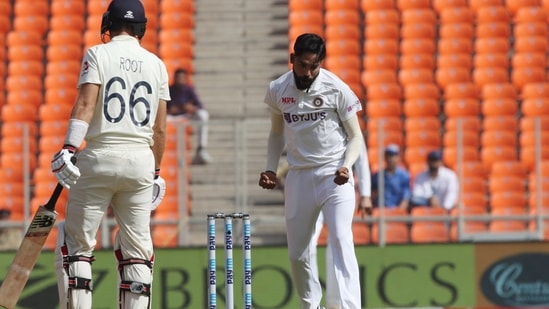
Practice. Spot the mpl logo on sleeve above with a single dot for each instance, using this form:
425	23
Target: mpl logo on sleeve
518	280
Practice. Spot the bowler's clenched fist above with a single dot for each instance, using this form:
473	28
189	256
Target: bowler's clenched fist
267	180
341	176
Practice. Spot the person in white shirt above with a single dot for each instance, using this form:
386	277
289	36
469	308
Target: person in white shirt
437	186
313	114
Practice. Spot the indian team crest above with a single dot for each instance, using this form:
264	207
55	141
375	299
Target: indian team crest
318	102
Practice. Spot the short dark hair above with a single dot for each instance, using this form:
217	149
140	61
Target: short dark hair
310	43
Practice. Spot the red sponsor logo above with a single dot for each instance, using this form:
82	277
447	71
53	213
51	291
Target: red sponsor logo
288	100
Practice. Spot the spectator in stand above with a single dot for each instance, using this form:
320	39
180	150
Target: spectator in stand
185	103
396	182
437	186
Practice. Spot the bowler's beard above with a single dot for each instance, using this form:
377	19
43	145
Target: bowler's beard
303	82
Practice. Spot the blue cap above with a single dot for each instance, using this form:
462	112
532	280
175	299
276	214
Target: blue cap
434	156
392	149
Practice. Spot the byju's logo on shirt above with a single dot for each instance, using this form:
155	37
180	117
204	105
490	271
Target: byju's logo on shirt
304	117
287	100
356	105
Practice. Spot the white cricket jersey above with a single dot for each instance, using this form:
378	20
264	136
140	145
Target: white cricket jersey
132	80
313	117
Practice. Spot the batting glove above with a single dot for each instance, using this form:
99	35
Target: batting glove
159	190
65	171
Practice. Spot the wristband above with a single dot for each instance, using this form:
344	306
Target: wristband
156	173
76	132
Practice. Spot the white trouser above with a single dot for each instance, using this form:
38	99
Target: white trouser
121	176
332	295
307	192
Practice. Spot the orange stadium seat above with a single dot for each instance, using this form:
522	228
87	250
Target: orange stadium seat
429	139
535	107
381	46
31	23
440	5
465	90
296	18
69	67
476	4
499	107
507	224
467	138
523	60
473	184
24	37
415	76
50	144
417	31
483	76
422	124
499	91
30	8
65	7
493	14
16	144
342	32
447	76
382	108
19	112
172	35
450	155
54	112
457	30
387	123
332	5
25	53
15	83
342	17
417	155
176	20
498	138
389	137
29	97
500	123
342	62
429	232
410	5
512	168
528	29
395	233
474	200
421	108
370	5
461	107
533	44
61	95
63	81
528	156
530	123
417	46
448	61
492	30
381	16
380	62
491	60
528	138
499	184
421	91
528	75
492	45
472	123
491	154
470	227
64	22
474	169
515	5
378	77
93	23
418	16
456	15
64	52
293	5
16	161
176	50
343	47
388	91
32	67
65	37
531	14
18	129
535	91
382	31
417	61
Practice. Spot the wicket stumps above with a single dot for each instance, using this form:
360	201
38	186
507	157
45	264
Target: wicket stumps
229	270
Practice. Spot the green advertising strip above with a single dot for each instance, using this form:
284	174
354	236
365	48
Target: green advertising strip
421	275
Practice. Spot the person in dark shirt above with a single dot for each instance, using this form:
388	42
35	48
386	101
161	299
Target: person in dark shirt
396	181
185	103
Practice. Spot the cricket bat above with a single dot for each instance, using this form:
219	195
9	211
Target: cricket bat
29	251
